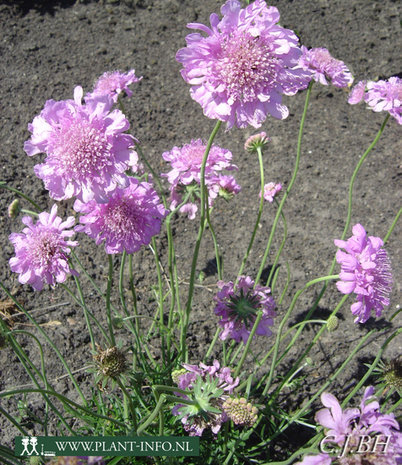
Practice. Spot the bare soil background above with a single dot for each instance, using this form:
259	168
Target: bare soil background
47	48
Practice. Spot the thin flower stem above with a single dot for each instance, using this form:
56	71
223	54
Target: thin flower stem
52	345
285	235
4	185
219	266
392	225
29	212
108	296
246	349
84	306
213	342
306	406
292	181
372	366
160	301
284	320
349	212
257	223
204	205
127	399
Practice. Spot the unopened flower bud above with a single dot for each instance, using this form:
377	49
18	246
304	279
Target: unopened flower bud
332	323
392	373
14	208
177	373
256	141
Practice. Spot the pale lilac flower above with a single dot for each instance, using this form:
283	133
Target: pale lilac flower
242	67
366	271
224	186
114	83
185	175
86	147
255	141
41	250
380	96
353	424
324	67
129	220
238	307
270	191
357	93
209	387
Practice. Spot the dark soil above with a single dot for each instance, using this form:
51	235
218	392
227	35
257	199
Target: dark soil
48	48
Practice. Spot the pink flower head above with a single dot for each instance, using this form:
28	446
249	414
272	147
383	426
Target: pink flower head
41	251
380	96
366	271
238	307
324	67
86	147
209	387
114	83
357	93
128	221
366	421
186	173
242	67
270	191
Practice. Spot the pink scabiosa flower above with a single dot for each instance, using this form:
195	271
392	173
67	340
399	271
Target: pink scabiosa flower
208	386
366	271
128	221
86	147
270	191
357	93
324	67
185	175
380	96
112	84
41	250
238	307
344	431
242	67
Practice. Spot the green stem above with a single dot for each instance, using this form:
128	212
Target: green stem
108	296
204	205
3	184
274	265
284	320
246	349
257	223
292	181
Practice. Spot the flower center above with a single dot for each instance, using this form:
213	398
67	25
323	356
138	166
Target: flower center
44	248
121	218
83	150
243	308
246	66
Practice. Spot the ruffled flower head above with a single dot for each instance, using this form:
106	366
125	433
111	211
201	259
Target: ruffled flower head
114	83
242	67
209	386
86	147
129	220
324	67
380	96
354	424
41	250
185	175
366	271
238	307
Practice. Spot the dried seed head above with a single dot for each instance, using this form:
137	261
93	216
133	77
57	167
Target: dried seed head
392	373
240	411
110	362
